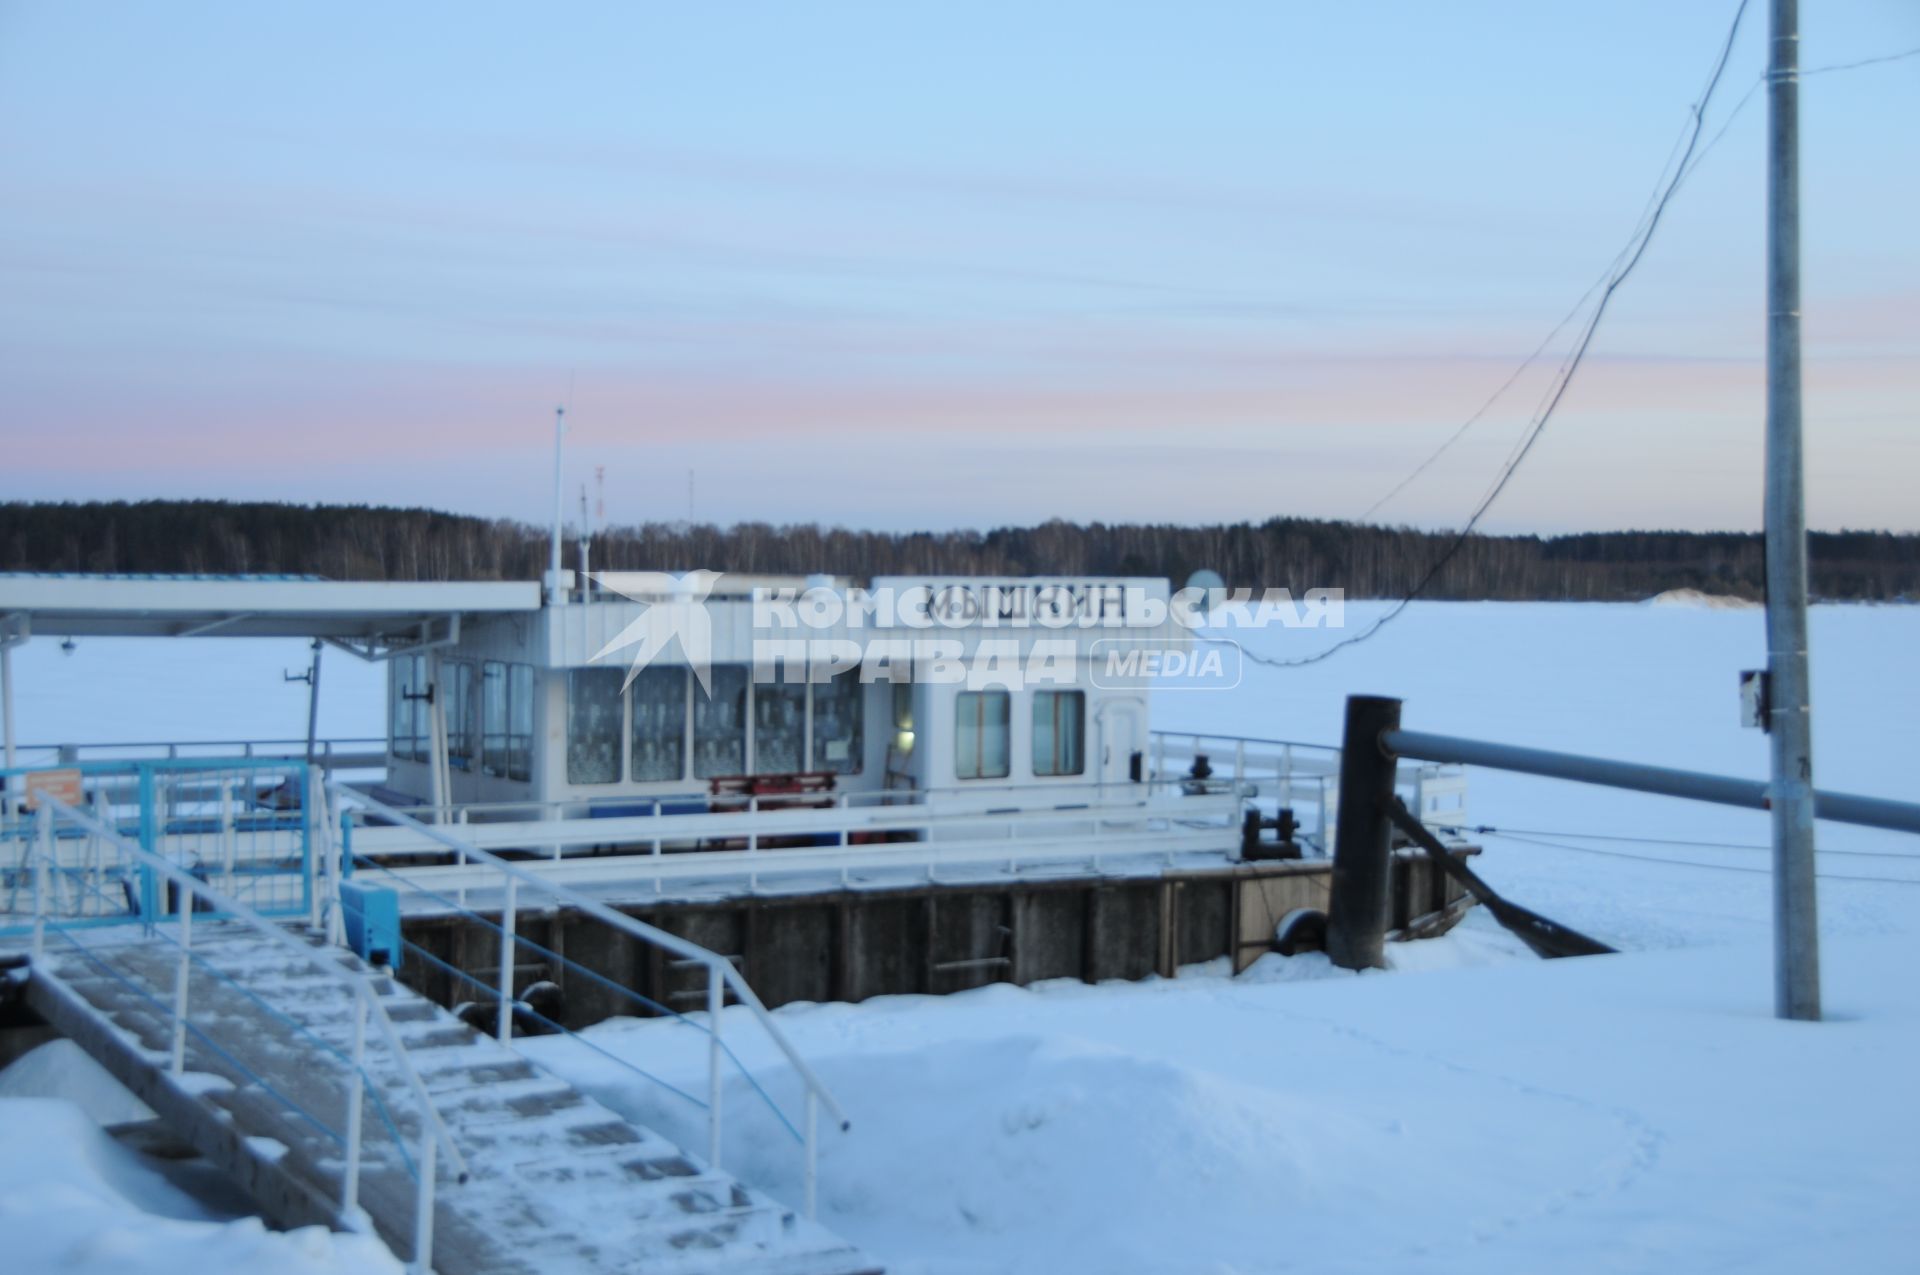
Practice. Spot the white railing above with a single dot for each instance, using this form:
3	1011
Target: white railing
512	878
349	753
215	821
955	796
191	892
1013	829
1303	777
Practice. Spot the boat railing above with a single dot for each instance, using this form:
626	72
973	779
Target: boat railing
1303	777
844	841
1044	794
347	753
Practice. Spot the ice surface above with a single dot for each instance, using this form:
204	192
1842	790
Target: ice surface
1476	1111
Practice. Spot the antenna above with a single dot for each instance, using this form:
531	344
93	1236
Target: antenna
553	558
689	498
586	540
599	496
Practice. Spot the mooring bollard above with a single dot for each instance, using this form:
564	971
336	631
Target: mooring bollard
1362	902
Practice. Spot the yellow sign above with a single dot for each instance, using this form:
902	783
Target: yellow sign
61	785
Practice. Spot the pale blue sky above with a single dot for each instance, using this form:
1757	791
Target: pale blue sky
899	265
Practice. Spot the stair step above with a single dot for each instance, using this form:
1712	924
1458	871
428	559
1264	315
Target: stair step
558	1181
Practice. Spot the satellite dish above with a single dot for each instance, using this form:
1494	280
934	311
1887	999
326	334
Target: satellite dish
1209	586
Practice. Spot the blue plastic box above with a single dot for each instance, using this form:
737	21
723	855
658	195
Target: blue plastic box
372	917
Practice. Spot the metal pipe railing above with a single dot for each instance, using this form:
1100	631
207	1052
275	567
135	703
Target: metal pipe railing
176	748
1255	759
722	976
189	889
1110	792
1725	790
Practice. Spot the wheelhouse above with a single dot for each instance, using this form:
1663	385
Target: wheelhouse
798	684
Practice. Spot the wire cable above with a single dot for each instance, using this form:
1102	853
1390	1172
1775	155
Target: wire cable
1488	830
1639	228
1534	357
1694	863
1632	254
1854	66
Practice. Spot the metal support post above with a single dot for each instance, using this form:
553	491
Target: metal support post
43	836
356	1097
1362	901
716	999
423	1200
503	1029
181	973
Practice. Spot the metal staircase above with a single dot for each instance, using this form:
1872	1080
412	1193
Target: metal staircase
337	1095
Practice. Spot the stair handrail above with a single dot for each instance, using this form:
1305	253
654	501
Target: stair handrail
721	972
434	1130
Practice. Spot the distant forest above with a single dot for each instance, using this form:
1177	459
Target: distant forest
355	542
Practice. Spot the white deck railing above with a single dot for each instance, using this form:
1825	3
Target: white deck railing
1303	777
1011	830
352	753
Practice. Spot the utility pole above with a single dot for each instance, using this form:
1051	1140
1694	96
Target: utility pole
1796	920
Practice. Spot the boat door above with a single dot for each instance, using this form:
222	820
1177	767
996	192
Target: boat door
1122	724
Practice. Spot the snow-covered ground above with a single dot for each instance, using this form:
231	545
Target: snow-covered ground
72	1199
1478	1110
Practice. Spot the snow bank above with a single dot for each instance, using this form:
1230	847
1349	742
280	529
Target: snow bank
75	1201
61	1069
1630	1113
1696	598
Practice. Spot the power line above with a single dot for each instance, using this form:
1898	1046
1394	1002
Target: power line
1761	79
1488	830
1632	254
1639	227
1532	358
1694	863
1854	66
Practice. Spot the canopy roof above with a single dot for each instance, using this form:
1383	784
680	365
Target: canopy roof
369	612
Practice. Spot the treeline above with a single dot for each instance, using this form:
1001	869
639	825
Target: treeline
357	542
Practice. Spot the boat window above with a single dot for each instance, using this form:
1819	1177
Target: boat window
1059	732
520	721
981	737
779	728
493	713
409	716
720	723
594	709
456	683
659	724
837	719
